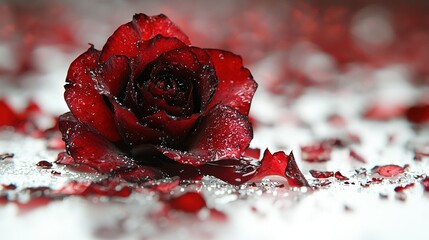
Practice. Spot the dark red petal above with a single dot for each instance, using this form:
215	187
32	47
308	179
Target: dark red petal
317	152
177	129
84	101
222	134
340	176
271	165
190	202
418	114
236	85
113	75
131	130
192	64
90	149
7	114
389	170
321	174
142	28
150	50
294	176
253	153
141	173
232	171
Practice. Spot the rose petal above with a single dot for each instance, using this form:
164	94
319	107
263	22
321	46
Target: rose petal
8	115
150	50
294	176
222	134
282	165
178	129
112	75
84	101
131	130
141	173
271	165
236	85
142	28
418	114
89	148
192	64
190	202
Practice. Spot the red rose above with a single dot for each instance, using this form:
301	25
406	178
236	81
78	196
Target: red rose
150	104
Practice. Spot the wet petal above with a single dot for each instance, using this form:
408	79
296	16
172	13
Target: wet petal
89	148
84	101
113	75
177	129
131	130
236	85
222	134
142	28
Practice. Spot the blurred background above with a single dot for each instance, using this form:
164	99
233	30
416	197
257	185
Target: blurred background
288	45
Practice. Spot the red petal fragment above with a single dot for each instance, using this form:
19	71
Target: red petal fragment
339	176
109	188
253	153
131	130
271	165
141	173
8	115
316	153
166	187
294	176
4	156
222	134
90	149
418	114
232	171
383	111
354	155
390	170
321	174
402	188
142	28
113	75
190	202
84	101
425	184
236	85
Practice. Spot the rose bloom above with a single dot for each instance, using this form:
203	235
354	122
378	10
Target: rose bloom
150	105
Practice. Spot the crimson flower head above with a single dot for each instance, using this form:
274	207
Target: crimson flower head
150	104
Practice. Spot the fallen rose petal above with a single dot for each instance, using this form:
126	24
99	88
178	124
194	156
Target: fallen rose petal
355	156
418	114
316	153
8	115
294	176
321	174
340	176
390	170
425	184
190	202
